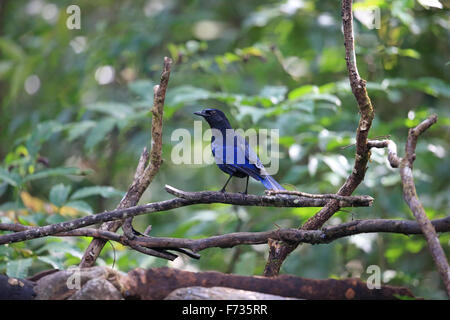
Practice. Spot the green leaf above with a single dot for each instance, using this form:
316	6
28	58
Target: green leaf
143	88
432	86
332	60
11	49
104	191
299	92
53	173
18	268
79	128
275	94
5	67
186	94
55	218
59	194
60	247
256	114
10	205
312	93
99	132
53	261
80	205
338	164
115	109
9	177
246	264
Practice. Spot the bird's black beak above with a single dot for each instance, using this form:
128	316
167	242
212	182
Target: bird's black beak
199	113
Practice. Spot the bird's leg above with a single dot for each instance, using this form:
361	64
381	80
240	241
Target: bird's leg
246	186
223	189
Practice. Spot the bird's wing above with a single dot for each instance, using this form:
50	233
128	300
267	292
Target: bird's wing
250	155
236	153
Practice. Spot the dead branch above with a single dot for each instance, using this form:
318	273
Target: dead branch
184	199
410	194
317	196
269	200
393	159
326	235
411	198
278	252
144	172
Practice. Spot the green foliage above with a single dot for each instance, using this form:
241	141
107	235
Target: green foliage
70	142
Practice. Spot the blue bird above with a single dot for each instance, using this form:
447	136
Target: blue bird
232	152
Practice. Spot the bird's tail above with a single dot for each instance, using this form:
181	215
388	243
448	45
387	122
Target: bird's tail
270	183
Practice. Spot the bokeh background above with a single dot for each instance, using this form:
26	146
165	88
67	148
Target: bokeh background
75	116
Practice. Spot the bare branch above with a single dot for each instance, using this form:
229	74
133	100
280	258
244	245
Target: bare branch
319	196
411	198
393	159
326	235
118	214
279	252
184	199
144	173
265	201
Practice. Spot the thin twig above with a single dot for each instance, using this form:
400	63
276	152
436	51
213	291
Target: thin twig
393	159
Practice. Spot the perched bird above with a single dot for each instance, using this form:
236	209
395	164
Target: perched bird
232	152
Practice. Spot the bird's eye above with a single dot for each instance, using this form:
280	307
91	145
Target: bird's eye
213	112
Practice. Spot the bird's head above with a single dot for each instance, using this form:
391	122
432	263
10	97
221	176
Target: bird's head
215	118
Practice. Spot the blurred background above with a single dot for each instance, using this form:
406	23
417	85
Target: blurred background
74	118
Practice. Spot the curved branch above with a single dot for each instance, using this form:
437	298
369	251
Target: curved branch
185	199
326	235
393	158
144	172
279	252
411	198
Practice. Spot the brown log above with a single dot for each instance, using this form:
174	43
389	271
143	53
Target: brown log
157	283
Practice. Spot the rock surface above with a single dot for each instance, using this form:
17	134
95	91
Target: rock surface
219	293
103	283
71	283
97	289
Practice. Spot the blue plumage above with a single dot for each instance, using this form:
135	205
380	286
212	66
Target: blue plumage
232	152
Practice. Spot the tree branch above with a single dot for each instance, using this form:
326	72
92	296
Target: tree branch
361	199
144	173
410	194
305	200
184	199
411	198
278	252
393	159
326	235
